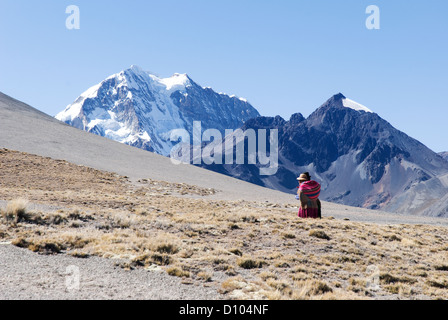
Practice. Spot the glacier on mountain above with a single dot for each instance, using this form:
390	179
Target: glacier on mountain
140	109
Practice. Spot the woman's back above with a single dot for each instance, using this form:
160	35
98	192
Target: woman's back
309	192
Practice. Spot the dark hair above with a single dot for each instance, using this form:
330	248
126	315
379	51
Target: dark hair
307	175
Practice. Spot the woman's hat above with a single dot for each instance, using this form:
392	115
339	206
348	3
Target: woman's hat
304	177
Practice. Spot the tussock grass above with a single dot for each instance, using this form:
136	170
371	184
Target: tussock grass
41	246
178	272
319	234
438	284
233	283
388	279
248	263
301	290
266	275
289	235
46	247
441	267
205	276
236	252
78	254
161	259
16	211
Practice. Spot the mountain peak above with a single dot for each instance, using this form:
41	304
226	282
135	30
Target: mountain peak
178	81
135	68
341	101
338	96
180	75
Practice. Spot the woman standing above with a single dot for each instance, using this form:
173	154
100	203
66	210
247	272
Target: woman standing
308	193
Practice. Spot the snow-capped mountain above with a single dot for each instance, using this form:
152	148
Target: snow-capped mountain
140	109
358	157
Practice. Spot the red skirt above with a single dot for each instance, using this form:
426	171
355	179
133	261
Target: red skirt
309	213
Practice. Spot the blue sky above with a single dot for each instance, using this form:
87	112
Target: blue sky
283	56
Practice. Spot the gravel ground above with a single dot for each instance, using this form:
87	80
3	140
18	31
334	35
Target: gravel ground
25	275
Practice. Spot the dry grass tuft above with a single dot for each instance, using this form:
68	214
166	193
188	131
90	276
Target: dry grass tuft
441	267
205	276
308	289
16	211
319	234
392	237
20	242
410	242
236	252
234	283
79	254
40	246
153	258
268	275
167	248
46	247
289	236
438	284
248	263
178	272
